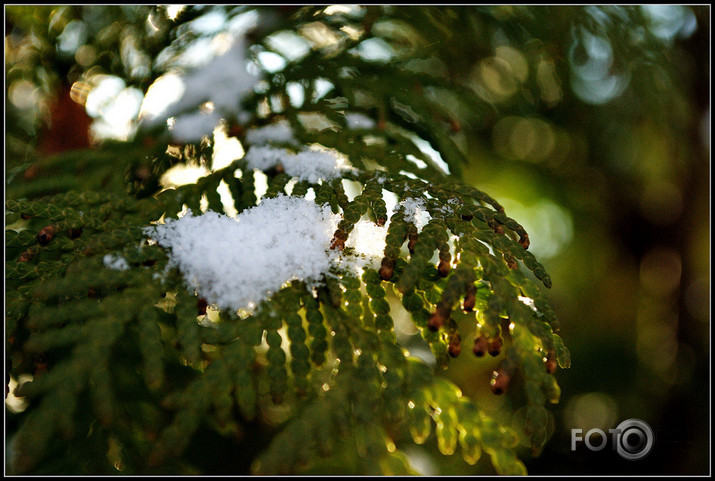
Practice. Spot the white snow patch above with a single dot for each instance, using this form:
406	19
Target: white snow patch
116	262
166	90
409	174
222	83
226	149
236	263
310	165
291	45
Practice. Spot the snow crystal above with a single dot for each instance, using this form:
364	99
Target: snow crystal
113	261
236	263
309	165
448	209
415	211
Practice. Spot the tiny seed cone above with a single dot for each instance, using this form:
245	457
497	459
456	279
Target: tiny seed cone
412	240
27	255
524	241
435	321
387	269
550	362
455	345
443	268
495	346
46	234
480	346
500	381
339	239
470	299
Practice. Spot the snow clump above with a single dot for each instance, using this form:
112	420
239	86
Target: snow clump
113	261
208	93
310	165
236	263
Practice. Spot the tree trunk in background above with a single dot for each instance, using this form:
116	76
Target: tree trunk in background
68	128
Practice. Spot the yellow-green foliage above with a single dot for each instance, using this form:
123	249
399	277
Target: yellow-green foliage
126	366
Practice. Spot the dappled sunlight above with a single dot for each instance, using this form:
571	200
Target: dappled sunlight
16	404
182	174
165	90
225	149
117	119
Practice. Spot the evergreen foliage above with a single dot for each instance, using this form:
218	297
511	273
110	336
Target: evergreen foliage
130	370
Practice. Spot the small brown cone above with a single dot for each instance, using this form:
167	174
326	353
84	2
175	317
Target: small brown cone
481	345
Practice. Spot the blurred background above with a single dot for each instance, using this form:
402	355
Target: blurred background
594	133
